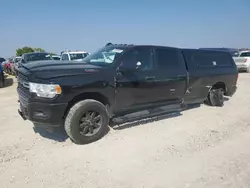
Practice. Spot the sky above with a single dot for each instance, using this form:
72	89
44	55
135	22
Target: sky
57	25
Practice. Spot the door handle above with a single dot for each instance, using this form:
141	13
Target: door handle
181	76
150	78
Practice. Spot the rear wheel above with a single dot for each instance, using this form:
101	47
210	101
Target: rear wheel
216	97
87	121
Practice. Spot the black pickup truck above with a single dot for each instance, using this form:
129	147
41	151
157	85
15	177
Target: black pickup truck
118	80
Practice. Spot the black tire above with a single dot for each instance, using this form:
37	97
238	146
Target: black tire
1	79
75	116
216	97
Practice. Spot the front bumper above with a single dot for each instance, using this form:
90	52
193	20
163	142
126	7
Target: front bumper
242	66
47	114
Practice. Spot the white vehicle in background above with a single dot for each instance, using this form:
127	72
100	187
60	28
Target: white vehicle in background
56	57
73	55
243	61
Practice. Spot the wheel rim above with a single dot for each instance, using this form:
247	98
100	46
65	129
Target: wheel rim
90	123
221	96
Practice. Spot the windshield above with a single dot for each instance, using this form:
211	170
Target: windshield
37	57
104	56
74	56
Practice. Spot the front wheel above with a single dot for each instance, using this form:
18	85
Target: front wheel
87	121
216	97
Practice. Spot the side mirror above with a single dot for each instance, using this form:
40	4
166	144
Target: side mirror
138	65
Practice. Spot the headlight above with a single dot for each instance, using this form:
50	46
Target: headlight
45	90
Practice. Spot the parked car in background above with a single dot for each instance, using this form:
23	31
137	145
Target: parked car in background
117	81
12	66
2	60
3	65
1	77
16	61
34	56
73	55
243	61
56	57
7	66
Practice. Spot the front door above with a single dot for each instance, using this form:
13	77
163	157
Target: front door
135	82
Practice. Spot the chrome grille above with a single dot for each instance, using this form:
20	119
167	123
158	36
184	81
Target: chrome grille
23	81
23	86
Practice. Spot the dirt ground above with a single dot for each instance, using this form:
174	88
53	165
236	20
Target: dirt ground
201	147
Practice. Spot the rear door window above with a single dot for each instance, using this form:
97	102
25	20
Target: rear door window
167	58
210	59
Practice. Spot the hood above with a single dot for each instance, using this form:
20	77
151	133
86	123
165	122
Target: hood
77	59
53	68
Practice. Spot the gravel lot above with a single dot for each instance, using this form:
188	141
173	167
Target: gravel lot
202	147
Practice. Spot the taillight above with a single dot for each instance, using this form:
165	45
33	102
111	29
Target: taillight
236	80
245	60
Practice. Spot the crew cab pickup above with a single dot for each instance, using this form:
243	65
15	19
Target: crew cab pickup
243	61
119	80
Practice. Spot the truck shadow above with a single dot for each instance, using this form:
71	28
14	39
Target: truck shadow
56	134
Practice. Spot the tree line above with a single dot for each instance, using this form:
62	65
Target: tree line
27	49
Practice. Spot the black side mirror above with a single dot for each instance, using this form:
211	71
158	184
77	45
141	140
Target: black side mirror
138	65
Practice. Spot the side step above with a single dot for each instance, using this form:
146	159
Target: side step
150	113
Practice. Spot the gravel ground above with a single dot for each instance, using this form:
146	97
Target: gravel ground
201	147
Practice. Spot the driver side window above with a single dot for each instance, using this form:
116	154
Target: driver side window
139	55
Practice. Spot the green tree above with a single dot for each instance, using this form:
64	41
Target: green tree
38	50
25	49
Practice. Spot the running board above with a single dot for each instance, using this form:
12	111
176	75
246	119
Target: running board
153	112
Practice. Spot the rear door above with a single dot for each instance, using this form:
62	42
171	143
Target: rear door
171	77
207	68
